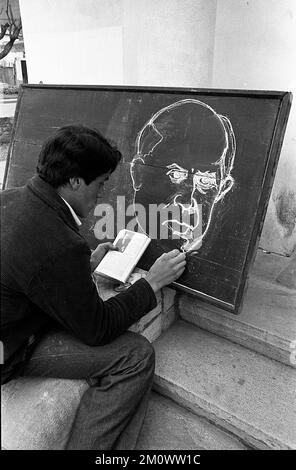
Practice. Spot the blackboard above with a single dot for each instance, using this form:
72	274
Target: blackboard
209	154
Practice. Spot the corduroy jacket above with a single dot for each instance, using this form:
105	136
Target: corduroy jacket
46	276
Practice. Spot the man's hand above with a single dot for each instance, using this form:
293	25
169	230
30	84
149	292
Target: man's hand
166	269
99	253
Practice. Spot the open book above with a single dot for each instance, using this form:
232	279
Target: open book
119	264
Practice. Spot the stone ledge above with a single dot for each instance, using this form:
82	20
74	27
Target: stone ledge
287	276
267	266
266	324
247	394
37	412
168	426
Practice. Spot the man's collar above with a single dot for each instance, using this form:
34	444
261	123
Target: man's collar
75	216
51	197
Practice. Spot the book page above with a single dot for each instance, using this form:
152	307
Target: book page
118	264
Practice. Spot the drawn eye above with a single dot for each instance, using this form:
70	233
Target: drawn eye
177	176
205	181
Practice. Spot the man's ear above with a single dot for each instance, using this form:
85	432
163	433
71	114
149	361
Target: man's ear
75	183
136	170
225	188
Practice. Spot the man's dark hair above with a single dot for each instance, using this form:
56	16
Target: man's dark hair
76	151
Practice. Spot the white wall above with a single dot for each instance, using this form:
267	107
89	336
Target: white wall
255	48
135	42
73	41
169	42
247	44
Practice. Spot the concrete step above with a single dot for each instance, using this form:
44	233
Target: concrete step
238	390
269	266
266	324
168	426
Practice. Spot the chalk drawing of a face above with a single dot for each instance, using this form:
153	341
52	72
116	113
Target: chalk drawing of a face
183	157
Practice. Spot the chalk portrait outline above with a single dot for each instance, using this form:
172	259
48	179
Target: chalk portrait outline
225	162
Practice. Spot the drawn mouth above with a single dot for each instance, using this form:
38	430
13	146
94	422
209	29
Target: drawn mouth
186	229
187	211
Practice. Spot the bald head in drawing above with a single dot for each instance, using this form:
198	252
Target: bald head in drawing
184	157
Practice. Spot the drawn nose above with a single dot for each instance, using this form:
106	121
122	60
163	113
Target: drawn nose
194	196
189	213
189	197
186	202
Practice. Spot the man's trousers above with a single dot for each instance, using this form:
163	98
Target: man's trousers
120	375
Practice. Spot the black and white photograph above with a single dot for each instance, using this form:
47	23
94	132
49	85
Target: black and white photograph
148	229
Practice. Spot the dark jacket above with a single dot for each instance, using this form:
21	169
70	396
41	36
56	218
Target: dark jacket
46	274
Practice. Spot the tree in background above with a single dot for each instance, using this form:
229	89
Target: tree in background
11	24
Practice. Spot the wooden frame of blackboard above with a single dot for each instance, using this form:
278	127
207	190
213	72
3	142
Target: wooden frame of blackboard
273	156
285	99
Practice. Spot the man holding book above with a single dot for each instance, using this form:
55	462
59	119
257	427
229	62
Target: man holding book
54	324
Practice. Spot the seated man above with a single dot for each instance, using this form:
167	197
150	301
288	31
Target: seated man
54	324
